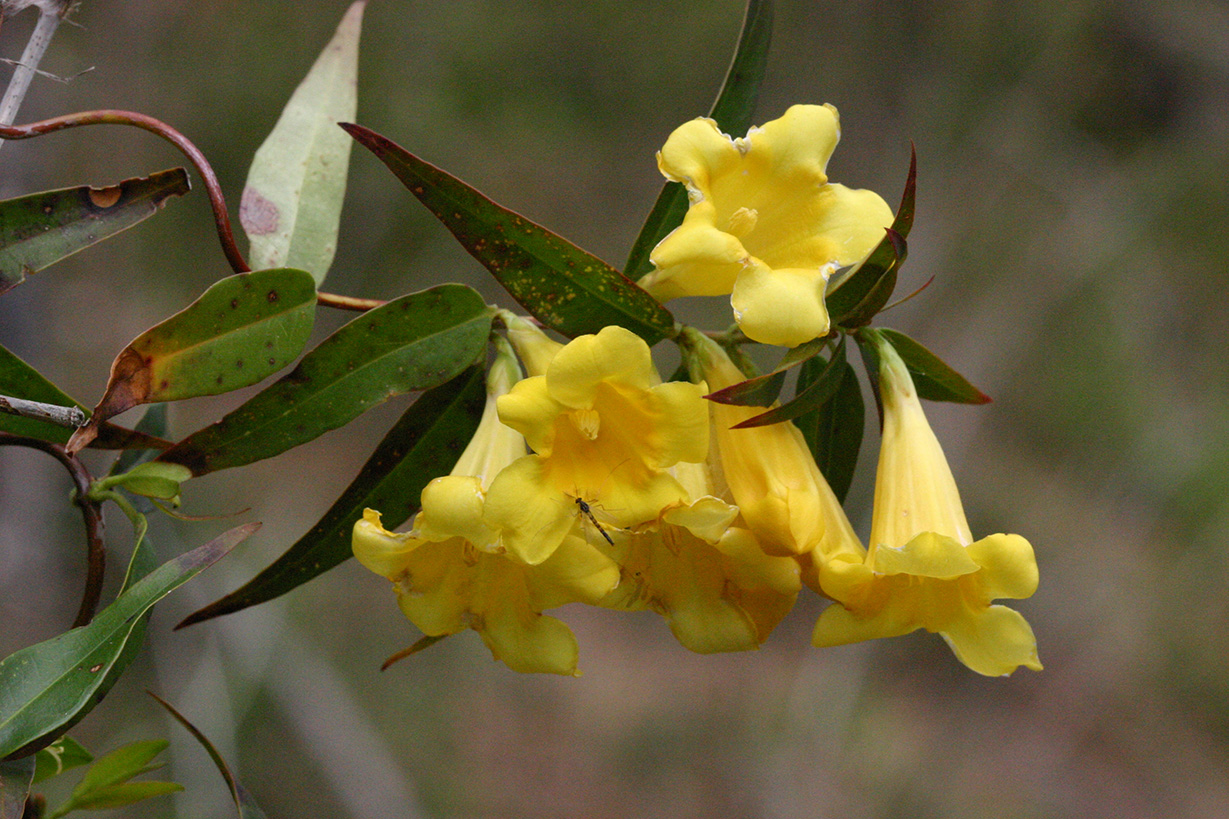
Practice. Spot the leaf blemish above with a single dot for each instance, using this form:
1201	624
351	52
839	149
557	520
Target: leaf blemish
272	296
105	197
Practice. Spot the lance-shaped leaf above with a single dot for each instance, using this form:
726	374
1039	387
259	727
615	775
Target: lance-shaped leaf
42	228
861	292
244	802
810	394
19	380
241	330
833	430
732	112
412	343
106	784
47	688
292	201
15	779
422	445
564	287
762	390
933	378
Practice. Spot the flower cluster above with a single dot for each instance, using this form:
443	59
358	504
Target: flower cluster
593	481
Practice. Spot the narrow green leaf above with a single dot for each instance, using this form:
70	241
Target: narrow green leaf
762	390
422	445
292	202
813	393
241	330
120	765
933	378
566	288
833	430
15	779
733	111
42	228
62	755
47	688
412	343
244	803
116	796
19	380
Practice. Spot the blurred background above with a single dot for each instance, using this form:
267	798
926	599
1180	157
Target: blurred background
1072	210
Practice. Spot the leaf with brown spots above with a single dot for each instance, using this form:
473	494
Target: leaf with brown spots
241	330
415	342
564	287
42	228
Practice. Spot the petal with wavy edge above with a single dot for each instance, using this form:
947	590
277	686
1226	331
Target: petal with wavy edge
380	550
1010	568
707	518
614	355
927	555
576	572
452	507
838	626
530	410
532	515
782	306
993	642
695	152
530	642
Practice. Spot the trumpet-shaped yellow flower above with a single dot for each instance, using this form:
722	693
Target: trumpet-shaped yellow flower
451	572
923	569
770	473
764	224
603	429
703	571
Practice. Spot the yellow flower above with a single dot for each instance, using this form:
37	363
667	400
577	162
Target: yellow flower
451	572
703	571
769	471
764	222
923	568
603	429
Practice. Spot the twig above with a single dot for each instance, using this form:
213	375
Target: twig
91	513
348	302
113	117
50	15
71	417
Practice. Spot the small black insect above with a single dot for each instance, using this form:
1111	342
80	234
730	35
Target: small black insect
584	507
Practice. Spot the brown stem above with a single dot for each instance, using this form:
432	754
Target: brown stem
91	512
113	117
348	302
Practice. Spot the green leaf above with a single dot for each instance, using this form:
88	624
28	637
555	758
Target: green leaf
248	809
62	755
42	228
15	778
861	292
732	111
810	394
152	479
241	330
762	390
412	343
47	688
19	380
932	377
291	204
833	430
566	288
422	445
106	784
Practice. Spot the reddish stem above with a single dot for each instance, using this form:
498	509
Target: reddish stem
91	512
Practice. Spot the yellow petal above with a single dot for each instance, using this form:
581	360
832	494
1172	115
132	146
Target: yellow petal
532	515
577	572
1009	567
838	626
530	642
614	355
994	642
380	550
927	555
782	306
452	507
530	410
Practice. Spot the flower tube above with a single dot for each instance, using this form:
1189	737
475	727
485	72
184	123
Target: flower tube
923	569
